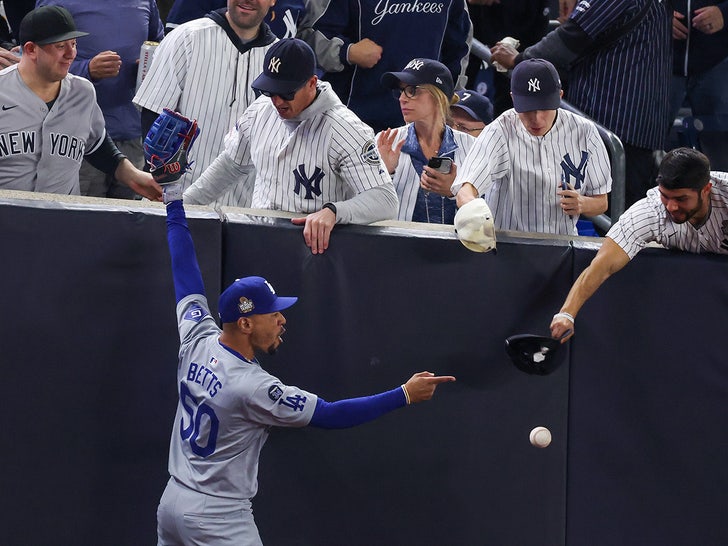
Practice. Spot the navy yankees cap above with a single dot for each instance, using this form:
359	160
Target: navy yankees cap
420	72
288	64
475	105
250	296
48	25
535	85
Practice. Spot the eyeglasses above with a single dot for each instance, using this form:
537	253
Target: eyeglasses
466	129
283	96
410	91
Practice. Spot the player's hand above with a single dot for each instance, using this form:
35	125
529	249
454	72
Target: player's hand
139	181
504	55
422	385
561	328
679	30
106	64
435	181
708	20
365	53
388	150
317	228
8	58
572	202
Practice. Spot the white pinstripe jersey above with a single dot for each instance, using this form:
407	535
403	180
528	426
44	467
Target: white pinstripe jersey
40	149
648	221
518	174
226	406
197	71
405	178
326	154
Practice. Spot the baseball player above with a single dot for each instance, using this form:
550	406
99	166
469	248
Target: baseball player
688	210
203	70
228	402
537	166
309	153
50	120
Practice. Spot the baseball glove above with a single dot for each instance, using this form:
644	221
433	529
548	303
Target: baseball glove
167	144
474	226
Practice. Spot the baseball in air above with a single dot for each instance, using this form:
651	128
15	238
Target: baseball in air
540	437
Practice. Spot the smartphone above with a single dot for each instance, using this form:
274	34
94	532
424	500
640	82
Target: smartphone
440	164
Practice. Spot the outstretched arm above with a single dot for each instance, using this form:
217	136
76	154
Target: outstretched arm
610	259
185	269
356	411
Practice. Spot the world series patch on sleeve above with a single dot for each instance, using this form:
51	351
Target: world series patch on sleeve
167	144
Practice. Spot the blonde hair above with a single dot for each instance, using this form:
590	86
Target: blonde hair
441	100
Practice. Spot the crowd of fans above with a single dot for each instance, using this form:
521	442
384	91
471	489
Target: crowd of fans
613	61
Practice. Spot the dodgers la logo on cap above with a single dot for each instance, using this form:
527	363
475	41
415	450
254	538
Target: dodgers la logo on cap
250	296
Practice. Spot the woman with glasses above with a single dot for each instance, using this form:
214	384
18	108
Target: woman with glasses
422	156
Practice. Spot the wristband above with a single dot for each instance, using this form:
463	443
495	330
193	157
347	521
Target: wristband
565	315
329	206
406	395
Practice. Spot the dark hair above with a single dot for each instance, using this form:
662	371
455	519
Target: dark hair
684	168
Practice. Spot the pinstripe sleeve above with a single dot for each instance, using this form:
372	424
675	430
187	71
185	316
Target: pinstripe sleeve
486	161
635	228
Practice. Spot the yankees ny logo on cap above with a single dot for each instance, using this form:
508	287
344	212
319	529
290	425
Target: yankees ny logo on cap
535	85
421	72
274	65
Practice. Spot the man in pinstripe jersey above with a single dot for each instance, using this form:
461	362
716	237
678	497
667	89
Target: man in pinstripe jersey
203	70
307	151
618	53
688	210
537	166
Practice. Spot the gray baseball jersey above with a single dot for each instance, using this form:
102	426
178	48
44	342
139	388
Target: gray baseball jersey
326	154
405	178
41	149
648	221
226	406
518	174
197	71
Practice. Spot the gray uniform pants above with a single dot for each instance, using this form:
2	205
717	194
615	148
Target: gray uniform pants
187	517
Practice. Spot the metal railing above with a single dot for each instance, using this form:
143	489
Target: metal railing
614	146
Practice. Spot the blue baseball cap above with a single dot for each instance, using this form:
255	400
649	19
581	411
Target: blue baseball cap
535	85
420	72
476	105
288	64
250	296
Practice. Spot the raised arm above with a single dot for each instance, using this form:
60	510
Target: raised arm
185	269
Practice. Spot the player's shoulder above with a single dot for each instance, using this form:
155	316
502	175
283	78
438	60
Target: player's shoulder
9	70
79	86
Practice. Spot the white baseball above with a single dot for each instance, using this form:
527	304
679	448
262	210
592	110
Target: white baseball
540	437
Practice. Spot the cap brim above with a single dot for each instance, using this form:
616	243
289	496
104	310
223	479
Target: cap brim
276	87
60	38
283	302
523	103
467	110
392	79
